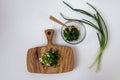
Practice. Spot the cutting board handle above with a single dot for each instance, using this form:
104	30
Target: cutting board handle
49	34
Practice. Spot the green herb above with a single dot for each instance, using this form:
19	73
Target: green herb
100	27
50	58
72	35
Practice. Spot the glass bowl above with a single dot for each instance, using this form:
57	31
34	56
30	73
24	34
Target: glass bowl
80	27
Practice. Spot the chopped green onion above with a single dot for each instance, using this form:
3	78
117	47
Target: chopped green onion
72	35
50	58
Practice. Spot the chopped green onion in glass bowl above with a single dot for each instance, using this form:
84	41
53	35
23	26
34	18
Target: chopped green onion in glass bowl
75	34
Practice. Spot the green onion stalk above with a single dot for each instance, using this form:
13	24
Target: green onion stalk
102	31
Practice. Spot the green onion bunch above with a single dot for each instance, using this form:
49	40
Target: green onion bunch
102	32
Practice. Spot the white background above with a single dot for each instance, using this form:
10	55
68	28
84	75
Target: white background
22	25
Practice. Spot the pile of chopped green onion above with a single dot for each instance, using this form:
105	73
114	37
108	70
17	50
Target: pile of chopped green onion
71	35
50	58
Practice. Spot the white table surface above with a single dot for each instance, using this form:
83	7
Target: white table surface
22	25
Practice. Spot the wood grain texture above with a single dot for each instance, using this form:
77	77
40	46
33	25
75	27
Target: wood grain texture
66	62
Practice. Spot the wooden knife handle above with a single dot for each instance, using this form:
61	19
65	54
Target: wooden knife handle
49	34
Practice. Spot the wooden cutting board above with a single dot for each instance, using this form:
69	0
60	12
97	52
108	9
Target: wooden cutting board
66	62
